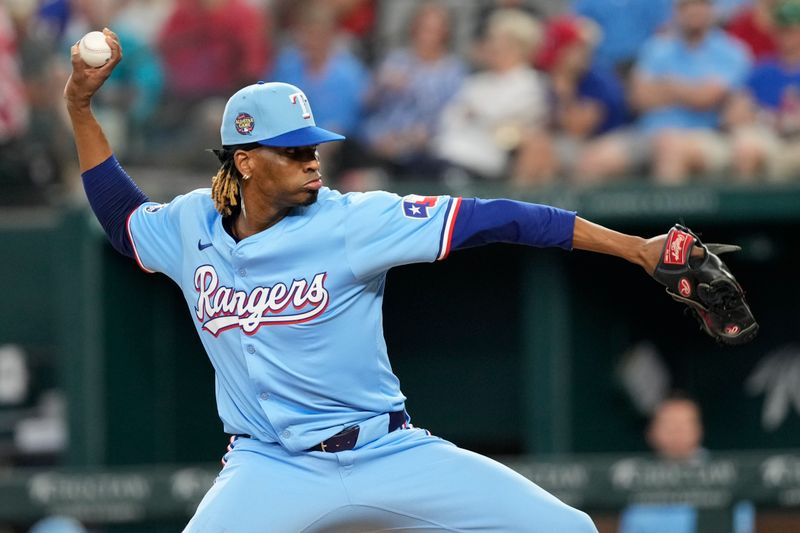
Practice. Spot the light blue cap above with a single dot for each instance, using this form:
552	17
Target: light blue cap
272	114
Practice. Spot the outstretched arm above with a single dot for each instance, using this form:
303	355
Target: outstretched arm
111	193
596	238
488	221
705	284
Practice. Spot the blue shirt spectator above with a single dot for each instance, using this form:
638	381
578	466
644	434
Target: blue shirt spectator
418	102
676	518
605	88
411	87
55	15
679	518
717	58
764	118
337	91
675	434
625	25
771	80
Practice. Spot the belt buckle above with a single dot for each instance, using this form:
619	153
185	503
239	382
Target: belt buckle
343	433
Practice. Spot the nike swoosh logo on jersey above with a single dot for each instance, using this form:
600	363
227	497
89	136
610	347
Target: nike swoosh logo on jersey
201	246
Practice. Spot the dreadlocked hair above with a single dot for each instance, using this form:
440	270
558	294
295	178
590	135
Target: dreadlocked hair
225	185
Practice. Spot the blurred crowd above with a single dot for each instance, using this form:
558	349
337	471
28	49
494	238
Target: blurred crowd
532	93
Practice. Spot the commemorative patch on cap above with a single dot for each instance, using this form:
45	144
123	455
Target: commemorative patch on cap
244	123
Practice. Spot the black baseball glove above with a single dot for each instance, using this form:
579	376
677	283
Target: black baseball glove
706	285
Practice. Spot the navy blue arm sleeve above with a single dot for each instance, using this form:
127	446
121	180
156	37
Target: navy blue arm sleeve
487	221
113	196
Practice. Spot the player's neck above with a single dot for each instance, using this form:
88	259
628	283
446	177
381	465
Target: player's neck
257	214
248	223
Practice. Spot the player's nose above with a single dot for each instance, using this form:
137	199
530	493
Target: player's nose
312	165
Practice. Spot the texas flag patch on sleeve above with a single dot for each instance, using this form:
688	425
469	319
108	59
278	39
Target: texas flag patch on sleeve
415	206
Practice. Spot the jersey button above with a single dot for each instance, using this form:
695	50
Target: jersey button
286	433
251	348
242	272
264	396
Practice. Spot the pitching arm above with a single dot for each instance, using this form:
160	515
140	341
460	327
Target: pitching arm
83	83
112	194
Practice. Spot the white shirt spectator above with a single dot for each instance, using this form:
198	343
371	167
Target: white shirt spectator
486	118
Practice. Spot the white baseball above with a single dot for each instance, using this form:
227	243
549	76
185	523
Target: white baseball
94	49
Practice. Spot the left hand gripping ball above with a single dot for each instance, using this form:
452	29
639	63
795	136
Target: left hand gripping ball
94	49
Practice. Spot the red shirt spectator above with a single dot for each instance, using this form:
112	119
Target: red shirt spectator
356	17
754	27
212	47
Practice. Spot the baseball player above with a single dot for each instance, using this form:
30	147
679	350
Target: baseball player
284	281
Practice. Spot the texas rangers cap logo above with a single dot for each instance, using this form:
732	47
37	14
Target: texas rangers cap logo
417	206
244	123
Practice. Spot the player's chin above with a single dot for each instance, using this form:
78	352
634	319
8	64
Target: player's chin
310	197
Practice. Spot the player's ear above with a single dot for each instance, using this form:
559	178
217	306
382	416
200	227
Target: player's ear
243	162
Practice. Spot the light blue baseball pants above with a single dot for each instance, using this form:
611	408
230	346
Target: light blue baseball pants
406	480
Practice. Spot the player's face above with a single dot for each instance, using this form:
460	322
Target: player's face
285	177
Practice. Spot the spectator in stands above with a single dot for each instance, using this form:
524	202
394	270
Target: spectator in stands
679	85
411	87
355	17
54	15
209	48
355	21
625	26
753	25
47	145
212	47
485	8
15	172
765	116
586	101
330	75
675	432
13	103
482	126
675	435
143	18
468	19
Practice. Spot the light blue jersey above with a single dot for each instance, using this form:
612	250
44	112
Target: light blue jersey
291	320
291	317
